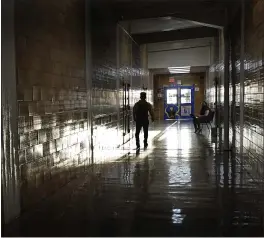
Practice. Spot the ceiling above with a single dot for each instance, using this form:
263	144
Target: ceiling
173	45
161	24
166	20
156	21
175	35
209	12
153	21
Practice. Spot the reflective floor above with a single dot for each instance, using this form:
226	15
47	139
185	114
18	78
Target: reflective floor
180	186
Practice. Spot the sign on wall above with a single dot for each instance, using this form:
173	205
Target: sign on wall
186	110
171	80
160	93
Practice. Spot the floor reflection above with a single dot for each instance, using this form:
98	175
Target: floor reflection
181	185
177	217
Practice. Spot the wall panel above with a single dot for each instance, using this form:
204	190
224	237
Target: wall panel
52	98
117	61
248	145
253	133
10	186
66	111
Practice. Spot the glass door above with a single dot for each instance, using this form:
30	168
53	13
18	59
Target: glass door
186	101
171	103
172	96
178	102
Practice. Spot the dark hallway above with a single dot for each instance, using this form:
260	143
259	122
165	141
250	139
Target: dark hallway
71	73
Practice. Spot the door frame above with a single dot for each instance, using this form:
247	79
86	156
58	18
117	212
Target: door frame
177	107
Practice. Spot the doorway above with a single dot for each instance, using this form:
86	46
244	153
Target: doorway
178	102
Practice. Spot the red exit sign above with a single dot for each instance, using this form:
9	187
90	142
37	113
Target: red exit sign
171	80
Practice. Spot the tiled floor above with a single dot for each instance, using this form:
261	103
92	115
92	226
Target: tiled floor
180	186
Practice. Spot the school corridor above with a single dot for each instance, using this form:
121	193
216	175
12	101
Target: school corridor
181	185
71	73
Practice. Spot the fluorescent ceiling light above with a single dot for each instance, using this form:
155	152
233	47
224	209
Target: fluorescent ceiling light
169	29
182	67
166	18
179	70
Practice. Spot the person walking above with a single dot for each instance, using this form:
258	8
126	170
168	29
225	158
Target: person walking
141	112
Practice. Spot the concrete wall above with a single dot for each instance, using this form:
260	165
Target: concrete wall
250	139
183	57
179	53
246	88
68	92
216	72
180	44
10	187
51	93
117	59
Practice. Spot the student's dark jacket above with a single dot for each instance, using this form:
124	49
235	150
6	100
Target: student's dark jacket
141	111
204	109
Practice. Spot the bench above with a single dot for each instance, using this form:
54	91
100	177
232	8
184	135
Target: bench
210	121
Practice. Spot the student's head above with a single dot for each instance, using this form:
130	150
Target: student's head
143	95
204	103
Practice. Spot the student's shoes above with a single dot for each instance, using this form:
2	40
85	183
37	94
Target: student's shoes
145	145
198	130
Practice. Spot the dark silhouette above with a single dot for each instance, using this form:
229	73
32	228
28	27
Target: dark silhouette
141	112
204	117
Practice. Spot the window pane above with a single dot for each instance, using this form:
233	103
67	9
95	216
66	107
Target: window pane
186	95
171	96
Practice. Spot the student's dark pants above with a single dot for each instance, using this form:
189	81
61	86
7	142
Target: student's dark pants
198	120
139	125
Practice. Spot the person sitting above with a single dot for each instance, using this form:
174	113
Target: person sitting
204	117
